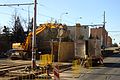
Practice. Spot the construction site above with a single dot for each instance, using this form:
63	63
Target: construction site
56	51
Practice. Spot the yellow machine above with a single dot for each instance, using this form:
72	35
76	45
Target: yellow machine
23	50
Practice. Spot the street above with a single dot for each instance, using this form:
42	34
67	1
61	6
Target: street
109	71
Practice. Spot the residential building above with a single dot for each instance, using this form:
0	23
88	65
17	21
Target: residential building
101	34
109	41
81	32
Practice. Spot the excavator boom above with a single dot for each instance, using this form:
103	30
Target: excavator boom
25	48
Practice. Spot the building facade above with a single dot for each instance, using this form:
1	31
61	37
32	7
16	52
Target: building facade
79	32
101	34
109	41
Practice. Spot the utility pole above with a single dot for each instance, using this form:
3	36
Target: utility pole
34	37
104	43
104	20
33	65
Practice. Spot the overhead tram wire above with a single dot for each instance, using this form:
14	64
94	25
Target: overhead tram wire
30	11
5	13
23	8
11	5
26	11
113	31
17	4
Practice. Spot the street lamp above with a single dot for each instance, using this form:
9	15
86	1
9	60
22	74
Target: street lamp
62	15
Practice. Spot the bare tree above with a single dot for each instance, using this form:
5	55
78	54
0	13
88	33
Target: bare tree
18	31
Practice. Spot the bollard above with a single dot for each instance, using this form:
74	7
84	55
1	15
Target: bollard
76	68
56	72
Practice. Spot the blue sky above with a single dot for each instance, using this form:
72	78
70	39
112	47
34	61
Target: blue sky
91	11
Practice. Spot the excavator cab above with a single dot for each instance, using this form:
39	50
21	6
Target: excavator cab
17	46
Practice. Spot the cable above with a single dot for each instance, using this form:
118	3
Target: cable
11	5
31	12
39	14
16	4
5	13
113	31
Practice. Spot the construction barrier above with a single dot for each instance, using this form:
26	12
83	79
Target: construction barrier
89	63
56	72
76	66
46	59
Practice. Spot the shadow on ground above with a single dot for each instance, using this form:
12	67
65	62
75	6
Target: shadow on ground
102	74
112	65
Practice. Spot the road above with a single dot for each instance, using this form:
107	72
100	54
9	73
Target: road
109	71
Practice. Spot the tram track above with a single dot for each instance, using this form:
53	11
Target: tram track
16	71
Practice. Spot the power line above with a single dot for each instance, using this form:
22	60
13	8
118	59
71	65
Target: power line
30	11
113	31
11	5
16	4
5	13
94	25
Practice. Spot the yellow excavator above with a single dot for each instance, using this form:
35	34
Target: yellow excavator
23	50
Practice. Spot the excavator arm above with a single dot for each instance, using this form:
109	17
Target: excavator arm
23	50
27	45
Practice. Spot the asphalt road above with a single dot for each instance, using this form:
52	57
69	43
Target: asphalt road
109	71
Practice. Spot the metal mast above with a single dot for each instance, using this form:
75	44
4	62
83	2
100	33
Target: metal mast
104	20
34	37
